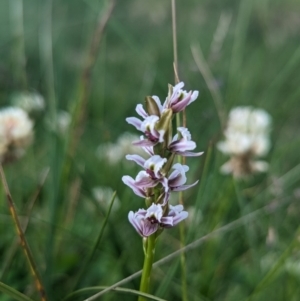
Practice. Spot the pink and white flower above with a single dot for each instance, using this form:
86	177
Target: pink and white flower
147	222
147	178
176	180
179	99
148	128
182	144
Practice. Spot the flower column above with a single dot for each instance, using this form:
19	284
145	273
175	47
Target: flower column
159	176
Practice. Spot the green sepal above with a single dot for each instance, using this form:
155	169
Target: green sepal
164	125
168	165
148	201
160	199
145	243
170	92
151	106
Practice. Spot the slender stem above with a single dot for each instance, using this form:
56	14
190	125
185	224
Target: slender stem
46	54
18	49
28	209
16	295
180	159
148	261
23	240
174	39
117	289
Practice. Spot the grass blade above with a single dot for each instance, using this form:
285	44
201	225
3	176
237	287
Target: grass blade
25	246
13	293
117	289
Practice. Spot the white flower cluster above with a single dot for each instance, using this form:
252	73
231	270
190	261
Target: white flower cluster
62	123
16	132
246	137
114	153
29	101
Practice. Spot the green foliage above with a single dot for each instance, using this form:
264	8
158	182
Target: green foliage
257	64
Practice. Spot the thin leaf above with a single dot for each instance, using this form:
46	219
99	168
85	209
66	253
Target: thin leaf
117	289
13	293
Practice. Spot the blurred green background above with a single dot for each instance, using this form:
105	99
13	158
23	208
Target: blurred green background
252	49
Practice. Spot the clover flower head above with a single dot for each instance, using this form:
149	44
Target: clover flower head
246	137
16	132
29	101
113	153
249	120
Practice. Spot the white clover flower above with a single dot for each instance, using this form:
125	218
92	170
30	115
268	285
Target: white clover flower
62	124
246	137
63	121
16	131
260	121
115	152
15	124
29	101
249	120
236	143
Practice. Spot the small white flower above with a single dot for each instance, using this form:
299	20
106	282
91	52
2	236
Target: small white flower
15	132
260	121
15	124
63	121
29	101
115	152
62	124
246	137
249	120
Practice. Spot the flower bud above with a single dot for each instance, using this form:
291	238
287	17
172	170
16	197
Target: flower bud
152	106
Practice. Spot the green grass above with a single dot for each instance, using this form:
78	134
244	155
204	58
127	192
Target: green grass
258	65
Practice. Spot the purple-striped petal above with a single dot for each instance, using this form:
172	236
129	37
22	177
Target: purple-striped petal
129	181
182	145
137	159
140	110
184	187
135	122
144	143
189	154
142	225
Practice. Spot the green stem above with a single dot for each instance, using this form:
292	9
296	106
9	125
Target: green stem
148	261
23	241
18	46
184	290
